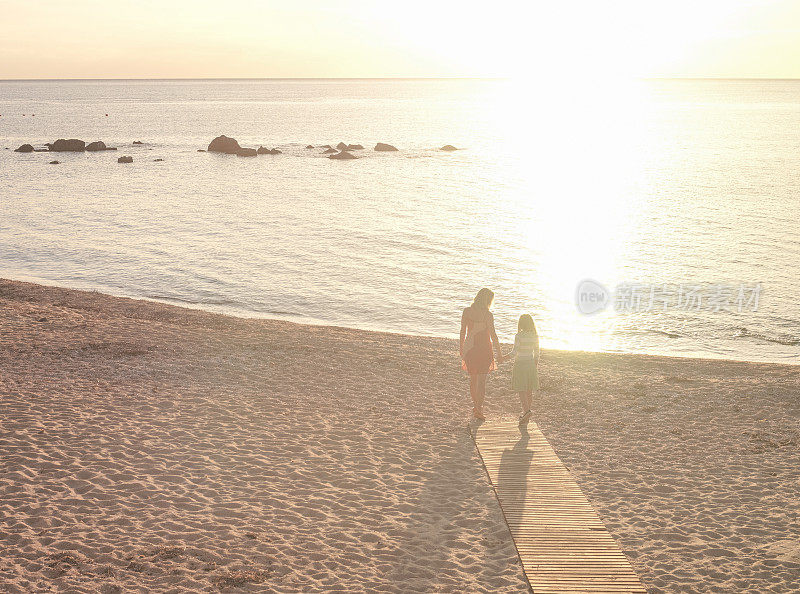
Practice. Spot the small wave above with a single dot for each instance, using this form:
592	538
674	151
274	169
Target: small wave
275	312
667	333
784	340
192	301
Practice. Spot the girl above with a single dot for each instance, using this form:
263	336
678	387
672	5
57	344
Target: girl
524	378
475	343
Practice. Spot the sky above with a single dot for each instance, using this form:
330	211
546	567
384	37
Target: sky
413	38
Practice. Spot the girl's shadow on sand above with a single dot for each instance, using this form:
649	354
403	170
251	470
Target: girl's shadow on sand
512	478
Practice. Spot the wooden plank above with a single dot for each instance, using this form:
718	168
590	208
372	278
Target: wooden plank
562	543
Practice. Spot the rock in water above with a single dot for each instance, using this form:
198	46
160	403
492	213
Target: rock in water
97	146
341	146
384	147
325	146
448	147
25	148
262	151
137	142
125	159
328	151
55	162
73	145
247	152
275	152
342	155
157	160
309	146
223	144
354	147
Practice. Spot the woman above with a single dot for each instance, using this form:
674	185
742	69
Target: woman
477	337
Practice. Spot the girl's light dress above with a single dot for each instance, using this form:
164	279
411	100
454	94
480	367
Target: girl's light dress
524	377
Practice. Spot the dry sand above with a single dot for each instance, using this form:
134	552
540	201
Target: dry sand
146	447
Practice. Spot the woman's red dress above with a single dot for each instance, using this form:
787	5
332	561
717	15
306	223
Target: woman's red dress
478	354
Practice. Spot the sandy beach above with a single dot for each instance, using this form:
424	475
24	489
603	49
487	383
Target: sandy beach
147	447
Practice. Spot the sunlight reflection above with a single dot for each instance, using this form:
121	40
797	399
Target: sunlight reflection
579	161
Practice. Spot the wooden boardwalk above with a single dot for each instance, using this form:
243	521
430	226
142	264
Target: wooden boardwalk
563	545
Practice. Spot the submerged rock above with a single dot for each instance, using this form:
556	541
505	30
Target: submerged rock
309	146
137	142
247	152
25	148
328	151
157	160
223	144
354	147
125	159
385	147
55	163
448	147
73	145
342	155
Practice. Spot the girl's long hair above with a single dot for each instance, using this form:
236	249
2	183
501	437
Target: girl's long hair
526	324
484	298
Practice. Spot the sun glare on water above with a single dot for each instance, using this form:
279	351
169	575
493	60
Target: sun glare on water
578	155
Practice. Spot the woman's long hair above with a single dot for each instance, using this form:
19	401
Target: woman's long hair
484	298
526	324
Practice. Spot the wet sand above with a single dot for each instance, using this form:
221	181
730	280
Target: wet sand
147	447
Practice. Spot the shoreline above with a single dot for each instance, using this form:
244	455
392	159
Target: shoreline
304	321
151	446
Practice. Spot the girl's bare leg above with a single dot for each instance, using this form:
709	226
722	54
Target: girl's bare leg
528	403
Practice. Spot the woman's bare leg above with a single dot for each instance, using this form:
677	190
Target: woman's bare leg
473	392
528	404
480	392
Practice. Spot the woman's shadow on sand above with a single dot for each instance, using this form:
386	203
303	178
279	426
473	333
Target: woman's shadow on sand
457	537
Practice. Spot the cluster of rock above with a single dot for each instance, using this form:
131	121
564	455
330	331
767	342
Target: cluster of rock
343	151
230	146
72	145
221	144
